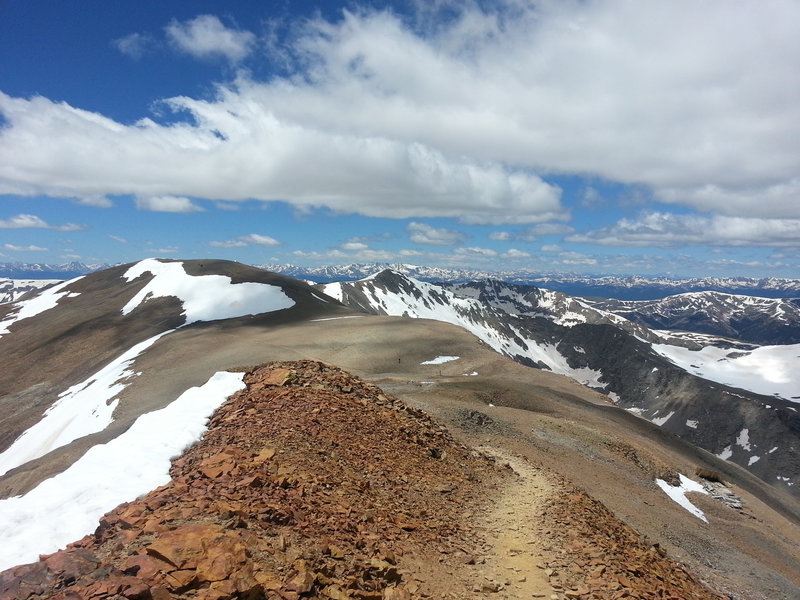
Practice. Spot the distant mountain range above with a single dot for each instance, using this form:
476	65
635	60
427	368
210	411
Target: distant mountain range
16	270
608	286
745	318
599	286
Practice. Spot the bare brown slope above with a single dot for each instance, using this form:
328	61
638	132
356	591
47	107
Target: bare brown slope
312	484
547	418
43	356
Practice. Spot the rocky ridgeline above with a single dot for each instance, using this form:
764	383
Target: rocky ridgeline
309	483
313	484
595	555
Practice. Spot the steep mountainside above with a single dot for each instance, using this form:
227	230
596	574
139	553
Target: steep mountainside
548	330
312	483
744	318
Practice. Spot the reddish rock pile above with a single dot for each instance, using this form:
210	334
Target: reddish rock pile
313	484
309	483
597	557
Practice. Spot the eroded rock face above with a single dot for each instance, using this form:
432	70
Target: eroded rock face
308	483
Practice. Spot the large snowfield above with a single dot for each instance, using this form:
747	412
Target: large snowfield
66	507
769	370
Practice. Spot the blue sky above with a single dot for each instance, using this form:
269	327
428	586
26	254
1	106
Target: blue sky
645	138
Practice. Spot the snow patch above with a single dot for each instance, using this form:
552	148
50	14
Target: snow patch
743	440
753	460
334	290
439	360
337	318
768	370
726	453
661	420
85	408
691	423
66	507
678	494
204	297
44	301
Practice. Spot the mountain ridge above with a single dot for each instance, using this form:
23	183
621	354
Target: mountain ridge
636	368
533	419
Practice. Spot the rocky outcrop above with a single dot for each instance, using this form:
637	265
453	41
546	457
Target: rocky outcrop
599	557
309	483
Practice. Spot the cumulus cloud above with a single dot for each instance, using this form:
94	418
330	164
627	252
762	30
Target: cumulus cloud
206	36
500	236
247	240
33	222
172	204
15	248
462	118
514	253
239	150
665	229
420	233
475	251
134	45
354	246
98	201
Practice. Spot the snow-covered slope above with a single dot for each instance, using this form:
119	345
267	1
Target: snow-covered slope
88	406
744	318
671	380
12	289
392	293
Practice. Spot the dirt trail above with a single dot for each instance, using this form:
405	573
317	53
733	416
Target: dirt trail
514	566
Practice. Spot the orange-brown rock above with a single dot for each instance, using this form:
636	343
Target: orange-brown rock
308	484
313	484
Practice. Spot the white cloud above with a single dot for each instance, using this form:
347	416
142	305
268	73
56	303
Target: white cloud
500	236
420	233
514	253
239	150
777	200
475	251
551	248
15	248
134	45
247	240
462	120
550	229
118	238
354	246
206	36
33	222
172	204
261	240
664	229
639	92
98	201
576	258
